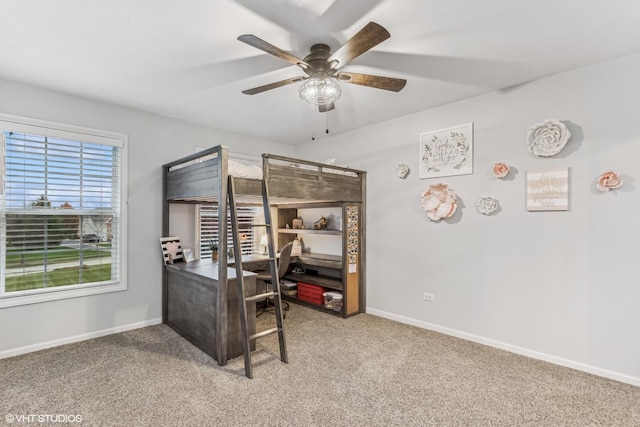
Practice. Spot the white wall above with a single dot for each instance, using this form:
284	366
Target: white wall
153	141
561	286
317	243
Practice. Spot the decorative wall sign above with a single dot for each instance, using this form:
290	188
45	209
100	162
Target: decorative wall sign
447	152
171	250
548	190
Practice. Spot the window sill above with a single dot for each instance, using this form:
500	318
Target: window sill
54	295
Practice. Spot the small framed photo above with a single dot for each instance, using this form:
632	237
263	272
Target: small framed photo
188	255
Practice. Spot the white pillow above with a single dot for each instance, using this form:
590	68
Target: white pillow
244	171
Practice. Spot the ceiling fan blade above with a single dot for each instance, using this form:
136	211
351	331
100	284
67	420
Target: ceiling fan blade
323	108
270	86
258	43
378	82
371	35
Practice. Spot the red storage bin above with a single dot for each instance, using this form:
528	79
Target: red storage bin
311	293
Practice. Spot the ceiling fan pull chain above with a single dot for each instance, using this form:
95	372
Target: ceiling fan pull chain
314	113
327	114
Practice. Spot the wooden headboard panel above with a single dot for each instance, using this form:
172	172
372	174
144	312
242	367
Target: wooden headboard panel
196	176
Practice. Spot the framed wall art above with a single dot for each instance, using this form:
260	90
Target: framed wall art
447	152
548	190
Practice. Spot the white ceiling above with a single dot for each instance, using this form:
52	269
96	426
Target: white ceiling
182	58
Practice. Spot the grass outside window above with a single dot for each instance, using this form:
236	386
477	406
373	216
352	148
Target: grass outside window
63	275
60	277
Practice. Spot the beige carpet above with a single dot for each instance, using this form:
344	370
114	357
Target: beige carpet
362	371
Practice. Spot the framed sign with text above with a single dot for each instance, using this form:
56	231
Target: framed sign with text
447	152
548	190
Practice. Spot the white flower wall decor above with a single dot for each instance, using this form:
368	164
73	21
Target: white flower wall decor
402	171
548	138
439	202
487	205
608	181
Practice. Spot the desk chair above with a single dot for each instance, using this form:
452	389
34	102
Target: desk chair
265	276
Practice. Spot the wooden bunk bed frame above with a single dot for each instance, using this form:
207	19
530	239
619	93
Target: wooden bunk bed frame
202	178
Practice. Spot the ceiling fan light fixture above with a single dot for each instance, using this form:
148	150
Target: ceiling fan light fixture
320	90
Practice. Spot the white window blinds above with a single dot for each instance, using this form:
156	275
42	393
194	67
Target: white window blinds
209	228
61	221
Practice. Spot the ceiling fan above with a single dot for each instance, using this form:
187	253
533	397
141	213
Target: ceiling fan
323	68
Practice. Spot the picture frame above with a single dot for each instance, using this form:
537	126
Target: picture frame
171	250
188	255
548	189
447	152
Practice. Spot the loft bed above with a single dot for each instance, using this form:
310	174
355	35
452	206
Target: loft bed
202	178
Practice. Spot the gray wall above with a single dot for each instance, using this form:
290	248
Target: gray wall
153	141
560	286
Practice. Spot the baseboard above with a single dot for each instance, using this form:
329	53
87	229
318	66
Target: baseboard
82	337
627	379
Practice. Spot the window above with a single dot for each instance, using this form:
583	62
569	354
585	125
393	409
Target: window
62	216
208	224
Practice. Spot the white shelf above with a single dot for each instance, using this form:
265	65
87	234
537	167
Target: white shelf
309	231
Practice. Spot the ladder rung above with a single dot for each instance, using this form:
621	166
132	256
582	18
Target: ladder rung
264	333
257	225
260	296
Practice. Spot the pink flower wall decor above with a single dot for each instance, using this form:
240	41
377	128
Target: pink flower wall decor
500	170
439	202
608	181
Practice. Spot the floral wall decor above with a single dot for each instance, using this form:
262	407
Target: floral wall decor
447	152
487	205
439	202
548	190
548	138
608	181
500	170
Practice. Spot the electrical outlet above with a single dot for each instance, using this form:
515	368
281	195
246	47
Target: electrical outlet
427	296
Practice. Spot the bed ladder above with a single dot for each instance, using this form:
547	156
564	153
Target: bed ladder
275	292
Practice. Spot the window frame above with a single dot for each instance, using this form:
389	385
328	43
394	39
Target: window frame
12	123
